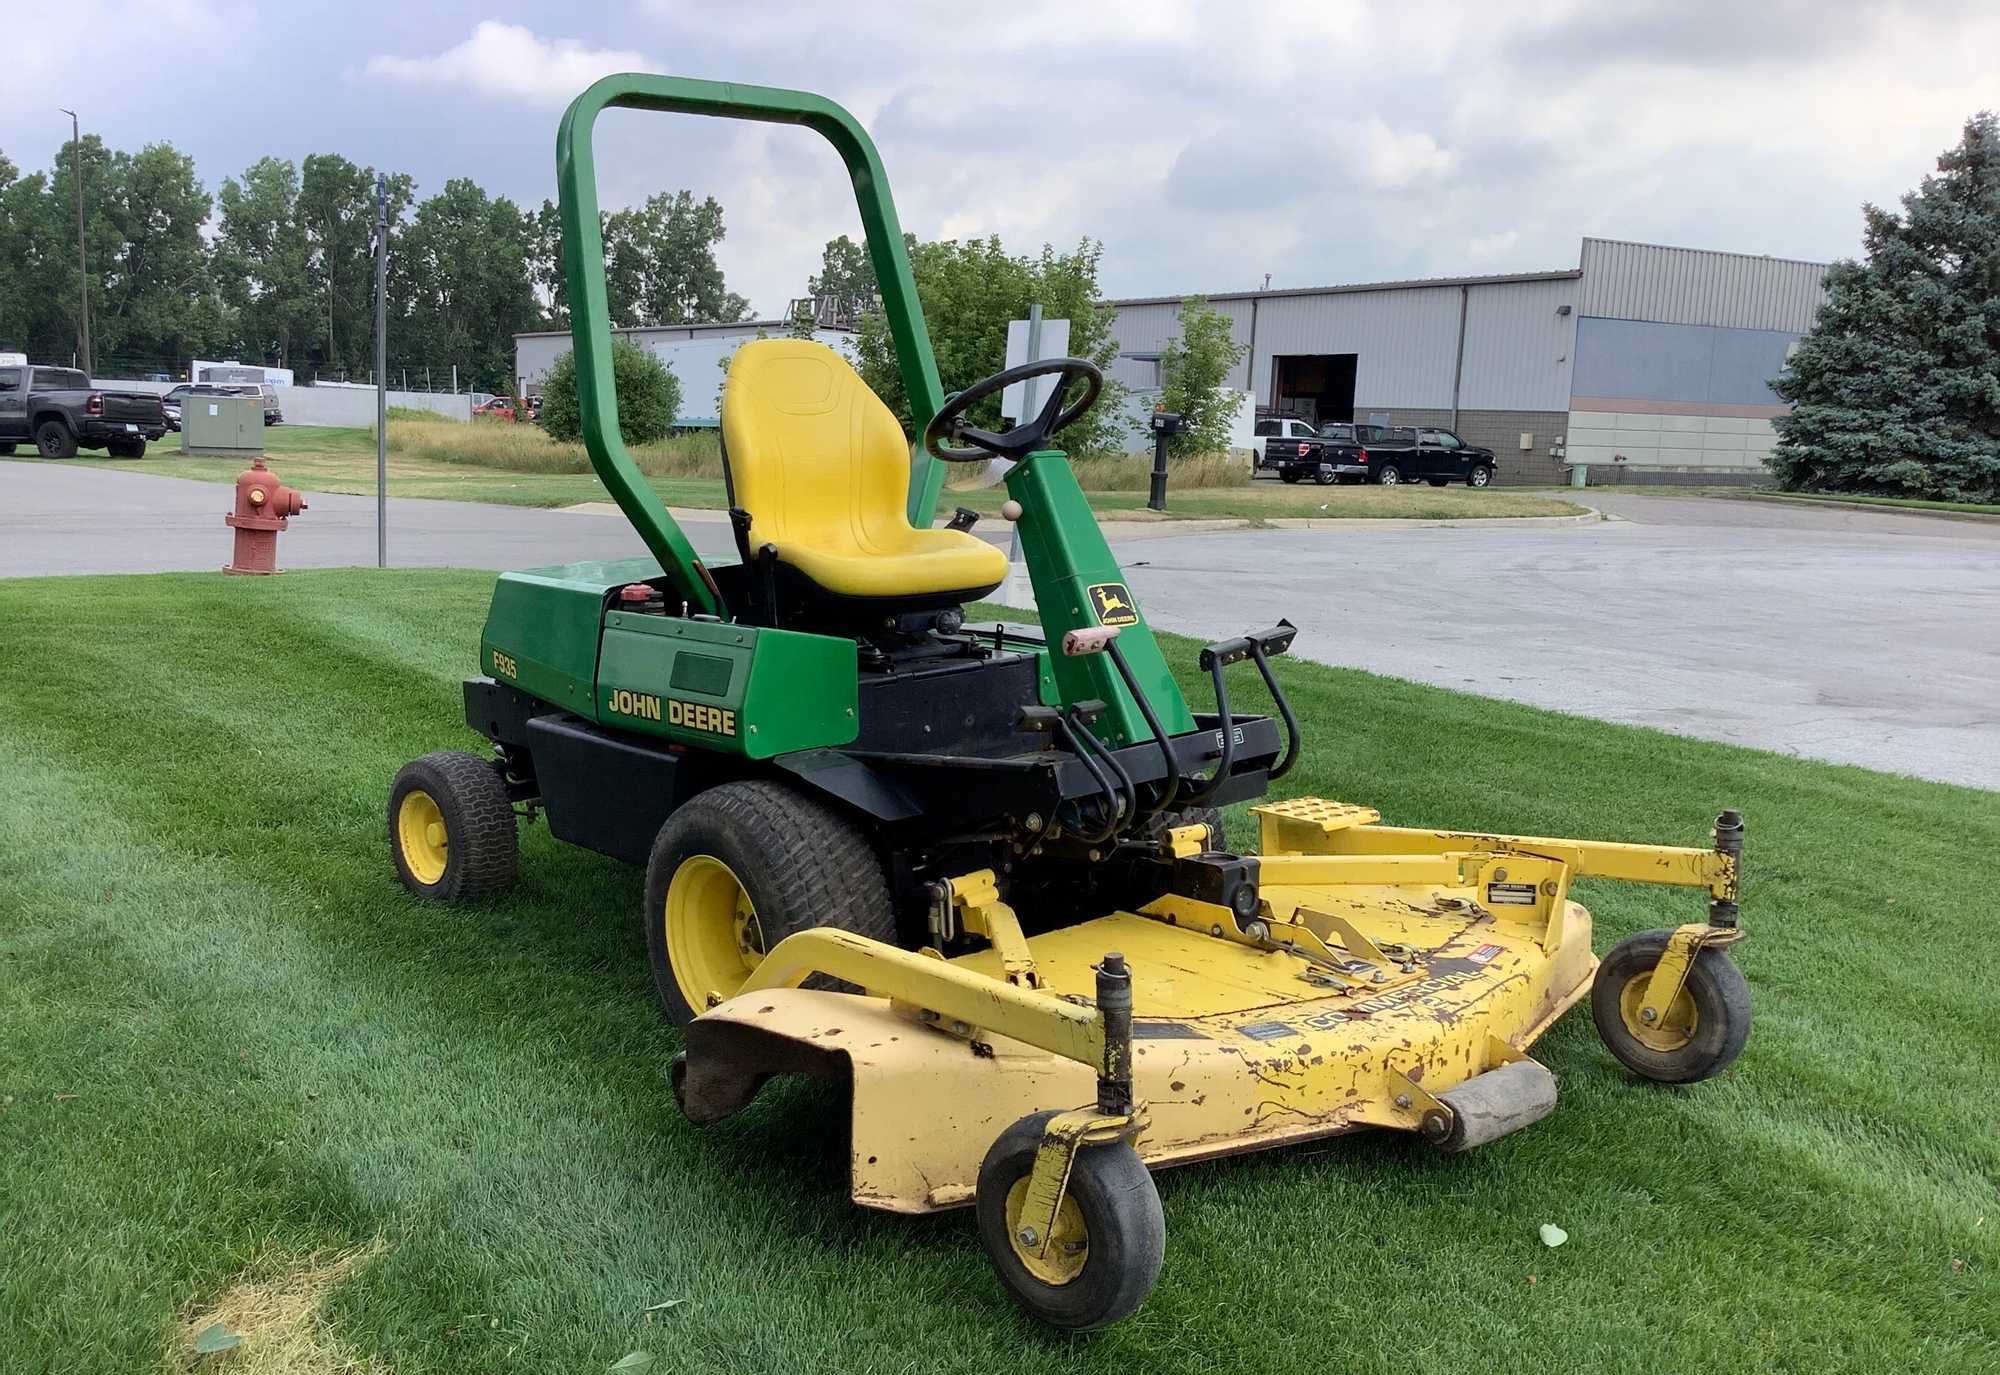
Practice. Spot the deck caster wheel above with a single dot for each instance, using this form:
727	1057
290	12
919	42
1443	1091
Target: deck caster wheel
1701	1033
451	827
1110	1235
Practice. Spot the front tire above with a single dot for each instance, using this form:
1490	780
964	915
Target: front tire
1480	476
54	440
1110	1235
1705	1028
1389	475
451	828
1326	477
739	868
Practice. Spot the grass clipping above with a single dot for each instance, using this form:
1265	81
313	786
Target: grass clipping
278	1319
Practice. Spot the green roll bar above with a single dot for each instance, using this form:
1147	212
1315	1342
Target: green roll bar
590	312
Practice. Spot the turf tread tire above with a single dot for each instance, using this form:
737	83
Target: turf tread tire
1121	1208
484	851
804	865
1722	1009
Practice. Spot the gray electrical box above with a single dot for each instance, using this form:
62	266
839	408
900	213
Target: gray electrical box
225	425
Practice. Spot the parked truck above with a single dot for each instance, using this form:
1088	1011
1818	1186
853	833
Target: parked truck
58	411
1387	454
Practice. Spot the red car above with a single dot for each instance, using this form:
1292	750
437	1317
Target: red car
500	408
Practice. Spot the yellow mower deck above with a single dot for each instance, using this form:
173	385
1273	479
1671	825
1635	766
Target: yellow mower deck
1385	970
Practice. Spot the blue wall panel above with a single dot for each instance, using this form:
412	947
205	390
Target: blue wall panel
1647	361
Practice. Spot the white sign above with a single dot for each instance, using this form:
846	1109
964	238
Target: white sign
1054	344
13	360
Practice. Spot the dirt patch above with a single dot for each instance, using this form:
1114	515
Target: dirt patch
275	1309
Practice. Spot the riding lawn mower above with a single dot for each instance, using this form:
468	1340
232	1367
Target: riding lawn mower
978	872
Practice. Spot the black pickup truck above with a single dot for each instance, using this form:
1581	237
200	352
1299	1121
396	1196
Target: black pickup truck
59	412
1389	455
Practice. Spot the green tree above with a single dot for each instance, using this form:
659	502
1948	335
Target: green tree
1896	389
261	260
551	283
845	274
659	263
462	285
802	324
1193	366
970	290
649	395
337	212
37	268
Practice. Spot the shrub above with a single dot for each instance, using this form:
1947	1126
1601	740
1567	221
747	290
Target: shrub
649	396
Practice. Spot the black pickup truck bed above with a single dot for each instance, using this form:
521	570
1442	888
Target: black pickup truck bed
58	411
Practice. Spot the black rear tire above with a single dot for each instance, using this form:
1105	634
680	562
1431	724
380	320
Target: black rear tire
1389	475
481	849
1716	990
53	440
1287	475
127	448
800	863
1124	1230
1326	477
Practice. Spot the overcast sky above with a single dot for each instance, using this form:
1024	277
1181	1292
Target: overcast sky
1206	144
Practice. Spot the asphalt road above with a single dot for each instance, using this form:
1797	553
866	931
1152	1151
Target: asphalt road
1852	636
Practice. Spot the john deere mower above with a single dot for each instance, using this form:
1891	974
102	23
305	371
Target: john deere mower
978	872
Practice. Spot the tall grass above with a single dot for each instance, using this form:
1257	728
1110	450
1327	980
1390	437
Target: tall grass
429	438
1134	473
527	449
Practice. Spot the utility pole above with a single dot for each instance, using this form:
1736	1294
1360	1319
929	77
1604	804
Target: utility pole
381	371
82	262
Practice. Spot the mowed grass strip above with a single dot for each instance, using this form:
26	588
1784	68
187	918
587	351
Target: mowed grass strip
230	1044
516	465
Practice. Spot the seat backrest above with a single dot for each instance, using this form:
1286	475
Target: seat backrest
814	456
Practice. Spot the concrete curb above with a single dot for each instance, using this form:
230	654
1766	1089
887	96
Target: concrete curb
1590	516
1131	530
1977	517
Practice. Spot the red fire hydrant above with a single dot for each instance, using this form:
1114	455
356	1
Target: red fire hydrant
264	506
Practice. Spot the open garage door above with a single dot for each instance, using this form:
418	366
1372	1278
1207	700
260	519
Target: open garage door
1316	386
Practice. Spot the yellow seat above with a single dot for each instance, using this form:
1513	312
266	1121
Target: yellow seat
823	469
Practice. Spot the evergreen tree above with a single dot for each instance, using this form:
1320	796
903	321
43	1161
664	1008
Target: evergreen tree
1897	387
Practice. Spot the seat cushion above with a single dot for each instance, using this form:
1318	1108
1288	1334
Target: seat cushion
823	469
930	563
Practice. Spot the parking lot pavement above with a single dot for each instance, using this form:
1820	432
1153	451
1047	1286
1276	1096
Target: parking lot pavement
1850	636
1853	636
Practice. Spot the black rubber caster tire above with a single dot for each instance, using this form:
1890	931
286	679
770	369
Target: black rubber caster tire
1118	1208
799	863
1716	992
466	796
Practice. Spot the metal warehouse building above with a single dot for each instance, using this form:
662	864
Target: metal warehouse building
1647	363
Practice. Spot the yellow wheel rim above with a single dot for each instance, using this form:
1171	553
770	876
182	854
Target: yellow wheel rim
713	939
420	834
1068	1249
1673	1032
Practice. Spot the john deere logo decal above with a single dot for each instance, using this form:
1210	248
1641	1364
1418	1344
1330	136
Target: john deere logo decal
1113	604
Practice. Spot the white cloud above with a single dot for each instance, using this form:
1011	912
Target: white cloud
510	60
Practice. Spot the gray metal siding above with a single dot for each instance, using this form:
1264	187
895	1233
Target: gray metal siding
1646	361
1405	340
1518	350
1689	286
1147	329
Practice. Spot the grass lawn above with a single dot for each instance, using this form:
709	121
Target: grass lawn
1914	503
327	459
241	1069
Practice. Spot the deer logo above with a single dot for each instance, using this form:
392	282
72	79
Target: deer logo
1113	604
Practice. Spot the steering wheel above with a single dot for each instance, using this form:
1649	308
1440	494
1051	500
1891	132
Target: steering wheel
1025	438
